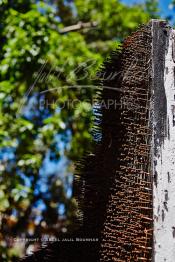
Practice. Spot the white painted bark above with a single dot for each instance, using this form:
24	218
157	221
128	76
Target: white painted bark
164	169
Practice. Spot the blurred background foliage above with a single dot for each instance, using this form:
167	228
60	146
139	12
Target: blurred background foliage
44	66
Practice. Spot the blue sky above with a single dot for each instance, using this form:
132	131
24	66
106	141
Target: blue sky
163	5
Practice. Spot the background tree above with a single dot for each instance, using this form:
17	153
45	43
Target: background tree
42	71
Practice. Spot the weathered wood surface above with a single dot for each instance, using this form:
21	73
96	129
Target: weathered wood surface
163	100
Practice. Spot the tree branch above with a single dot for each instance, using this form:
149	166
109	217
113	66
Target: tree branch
78	26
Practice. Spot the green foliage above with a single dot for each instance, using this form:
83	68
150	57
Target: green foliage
115	20
36	109
151	6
